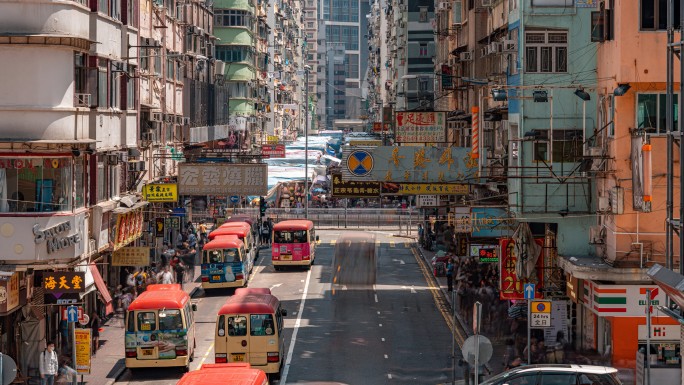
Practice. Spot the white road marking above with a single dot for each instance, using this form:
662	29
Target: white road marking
378	313
382	339
376	300
380	325
276	285
290	351
389	376
386	357
413	291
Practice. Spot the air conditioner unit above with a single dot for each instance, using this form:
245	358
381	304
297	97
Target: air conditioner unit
200	31
92	246
193	29
597	235
494	47
603	204
487	3
179	119
112	159
156	116
465	56
82	100
155	125
510	46
136	165
484	51
186	121
168	118
148	136
442	6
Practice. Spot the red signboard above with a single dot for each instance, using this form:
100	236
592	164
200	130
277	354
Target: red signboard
510	287
273	150
377	126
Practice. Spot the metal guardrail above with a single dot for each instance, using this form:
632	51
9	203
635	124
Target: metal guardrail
340	218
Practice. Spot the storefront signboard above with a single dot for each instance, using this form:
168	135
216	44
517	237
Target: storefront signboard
459	217
432	189
273	150
510	286
159	227
131	256
160	192
56	237
621	300
222	179
661	332
420	127
63	282
485	253
351	189
427	201
128	228
9	293
574	288
491	222
409	164
82	343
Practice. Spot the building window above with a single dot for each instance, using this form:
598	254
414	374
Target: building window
115	86
35	184
233	18
567	146
423	14
102	83
423	51
651	113
111	8
234	54
130	91
80	73
131	13
546	52
654	14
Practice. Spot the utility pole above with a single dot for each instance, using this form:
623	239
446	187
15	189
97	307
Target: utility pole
306	143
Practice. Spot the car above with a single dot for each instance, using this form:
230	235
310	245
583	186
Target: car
555	374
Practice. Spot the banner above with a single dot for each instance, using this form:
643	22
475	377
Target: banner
162	192
82	343
351	189
63	282
273	150
420	127
9	293
510	286
128	228
131	256
222	179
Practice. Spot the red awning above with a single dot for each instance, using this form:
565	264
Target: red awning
102	288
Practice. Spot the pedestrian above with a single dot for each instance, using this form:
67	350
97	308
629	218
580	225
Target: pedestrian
69	374
48	365
95	330
168	254
450	275
179	269
517	361
165	277
203	232
265	232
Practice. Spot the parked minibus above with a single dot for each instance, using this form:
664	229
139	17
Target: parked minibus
243	231
249	328
160	328
244	218
252	290
294	244
225	263
224	374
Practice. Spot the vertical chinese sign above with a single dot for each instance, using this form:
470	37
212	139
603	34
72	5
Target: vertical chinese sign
82	343
510	286
128	228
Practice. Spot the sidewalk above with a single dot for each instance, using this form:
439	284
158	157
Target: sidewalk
496	363
109	364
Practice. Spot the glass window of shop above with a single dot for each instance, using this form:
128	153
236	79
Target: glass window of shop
37	184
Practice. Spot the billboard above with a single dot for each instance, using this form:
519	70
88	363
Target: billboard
273	150
420	127
409	164
222	179
160	192
510	286
351	189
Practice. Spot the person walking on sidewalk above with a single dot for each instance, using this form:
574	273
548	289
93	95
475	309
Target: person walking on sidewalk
450	275
48	365
95	330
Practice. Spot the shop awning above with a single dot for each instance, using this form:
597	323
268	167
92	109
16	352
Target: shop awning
102	288
124	210
673	284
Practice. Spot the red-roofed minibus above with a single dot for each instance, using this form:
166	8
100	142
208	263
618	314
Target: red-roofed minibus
160	328
249	328
224	374
225	263
252	290
243	231
294	243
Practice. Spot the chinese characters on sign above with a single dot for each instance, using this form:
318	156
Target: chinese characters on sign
159	227
510	287
64	282
273	150
82	343
131	256
420	127
128	228
350	189
432	188
9	293
163	192
222	179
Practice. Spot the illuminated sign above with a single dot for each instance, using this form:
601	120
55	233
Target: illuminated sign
161	192
63	282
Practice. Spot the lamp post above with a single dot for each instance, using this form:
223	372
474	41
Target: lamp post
307	68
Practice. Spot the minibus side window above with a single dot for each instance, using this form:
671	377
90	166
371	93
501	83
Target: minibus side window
221	326
147	321
237	326
170	320
131	322
261	325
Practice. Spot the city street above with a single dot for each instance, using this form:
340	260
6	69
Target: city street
392	333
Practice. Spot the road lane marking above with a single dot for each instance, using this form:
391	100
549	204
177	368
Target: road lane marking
389	376
386	357
206	355
276	285
380	325
382	339
376	299
293	339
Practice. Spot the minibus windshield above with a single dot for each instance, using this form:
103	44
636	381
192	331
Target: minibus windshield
297	236
224	255
170	320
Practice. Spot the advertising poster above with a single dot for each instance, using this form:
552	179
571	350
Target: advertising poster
82	343
131	256
157	344
510	286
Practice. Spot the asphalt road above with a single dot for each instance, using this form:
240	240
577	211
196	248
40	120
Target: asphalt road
387	333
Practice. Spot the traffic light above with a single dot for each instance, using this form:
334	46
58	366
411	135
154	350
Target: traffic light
262	206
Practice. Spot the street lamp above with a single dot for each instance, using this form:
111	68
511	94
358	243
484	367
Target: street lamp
307	68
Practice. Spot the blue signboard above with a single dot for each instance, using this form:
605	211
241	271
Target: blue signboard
491	222
178	212
234	199
529	291
409	164
72	314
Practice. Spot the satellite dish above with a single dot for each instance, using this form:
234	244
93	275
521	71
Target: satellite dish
9	369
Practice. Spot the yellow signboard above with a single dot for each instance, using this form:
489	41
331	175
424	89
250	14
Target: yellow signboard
432	189
161	192
131	256
367	142
82	342
540	307
273	139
